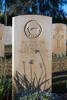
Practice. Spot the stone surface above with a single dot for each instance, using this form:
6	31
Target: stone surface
8	35
32	50
59	39
1	40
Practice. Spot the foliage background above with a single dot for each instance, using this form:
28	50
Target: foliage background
53	8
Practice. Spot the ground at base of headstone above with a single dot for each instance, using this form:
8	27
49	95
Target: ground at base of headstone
41	96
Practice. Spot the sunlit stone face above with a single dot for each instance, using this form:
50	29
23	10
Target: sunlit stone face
32	29
1	32
8	35
32	51
59	39
1	40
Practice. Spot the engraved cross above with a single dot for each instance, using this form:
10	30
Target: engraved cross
58	37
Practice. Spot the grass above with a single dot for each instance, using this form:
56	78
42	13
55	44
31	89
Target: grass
34	97
1	90
4	87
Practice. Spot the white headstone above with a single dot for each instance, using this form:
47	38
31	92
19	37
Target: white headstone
8	35
59	39
1	40
32	50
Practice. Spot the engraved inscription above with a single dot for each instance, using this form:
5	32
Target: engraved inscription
29	47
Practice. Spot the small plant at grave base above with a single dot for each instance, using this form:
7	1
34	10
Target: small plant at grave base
41	96
7	90
27	87
29	91
34	97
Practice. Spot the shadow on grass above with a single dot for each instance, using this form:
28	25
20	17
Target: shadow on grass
59	82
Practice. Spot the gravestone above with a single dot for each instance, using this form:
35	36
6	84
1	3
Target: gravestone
8	35
59	39
32	52
1	40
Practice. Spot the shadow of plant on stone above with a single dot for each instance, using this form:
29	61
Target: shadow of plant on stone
26	87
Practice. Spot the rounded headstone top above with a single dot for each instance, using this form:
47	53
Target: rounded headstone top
32	16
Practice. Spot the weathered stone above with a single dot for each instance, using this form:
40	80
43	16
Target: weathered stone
8	35
59	39
1	40
32	50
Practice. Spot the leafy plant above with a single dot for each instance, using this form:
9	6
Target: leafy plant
34	97
25	87
6	89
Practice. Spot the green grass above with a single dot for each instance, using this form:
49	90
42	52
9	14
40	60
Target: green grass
33	97
5	86
1	90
